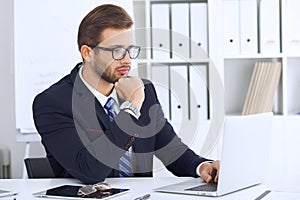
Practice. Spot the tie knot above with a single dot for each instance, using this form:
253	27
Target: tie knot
109	105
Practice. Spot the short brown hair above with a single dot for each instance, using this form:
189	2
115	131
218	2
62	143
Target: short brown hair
100	18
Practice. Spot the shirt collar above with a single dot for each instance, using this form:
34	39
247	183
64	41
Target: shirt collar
100	97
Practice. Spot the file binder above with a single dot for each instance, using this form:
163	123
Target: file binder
198	92
248	25
269	26
179	95
160	31
199	30
160	79
231	27
292	27
180	31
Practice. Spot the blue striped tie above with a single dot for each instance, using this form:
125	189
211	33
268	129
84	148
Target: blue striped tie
124	164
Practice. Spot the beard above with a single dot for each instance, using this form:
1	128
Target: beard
109	78
108	73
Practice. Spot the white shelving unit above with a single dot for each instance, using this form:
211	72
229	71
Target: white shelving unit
235	68
238	71
291	50
192	131
238	67
144	36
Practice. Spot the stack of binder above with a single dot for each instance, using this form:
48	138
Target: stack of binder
262	88
249	28
179	30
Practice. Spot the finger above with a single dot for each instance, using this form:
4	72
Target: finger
207	175
216	177
204	171
207	178
216	164
216	167
212	173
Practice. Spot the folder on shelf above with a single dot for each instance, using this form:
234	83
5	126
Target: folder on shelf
160	79
292	29
199	30
251	89
275	79
269	26
180	30
262	88
231	27
198	92
248	27
179	93
160	30
255	89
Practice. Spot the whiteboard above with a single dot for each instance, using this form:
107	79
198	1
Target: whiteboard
45	47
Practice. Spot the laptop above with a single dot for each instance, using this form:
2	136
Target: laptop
244	158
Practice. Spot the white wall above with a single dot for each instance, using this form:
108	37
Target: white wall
7	103
7	86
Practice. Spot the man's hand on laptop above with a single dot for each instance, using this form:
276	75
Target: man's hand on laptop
209	171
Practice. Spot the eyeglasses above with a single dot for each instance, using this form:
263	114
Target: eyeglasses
118	53
103	187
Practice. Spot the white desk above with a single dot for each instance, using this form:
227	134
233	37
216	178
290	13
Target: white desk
138	187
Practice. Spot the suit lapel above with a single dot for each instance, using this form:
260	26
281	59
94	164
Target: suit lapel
83	97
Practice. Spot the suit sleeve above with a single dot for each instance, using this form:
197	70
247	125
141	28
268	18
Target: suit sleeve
75	139
169	148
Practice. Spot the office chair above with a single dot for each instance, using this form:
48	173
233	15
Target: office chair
38	168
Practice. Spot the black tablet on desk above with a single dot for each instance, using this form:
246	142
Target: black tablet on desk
71	192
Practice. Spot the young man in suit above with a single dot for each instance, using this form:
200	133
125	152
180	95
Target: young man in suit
97	122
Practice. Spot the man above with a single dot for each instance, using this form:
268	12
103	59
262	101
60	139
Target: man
96	122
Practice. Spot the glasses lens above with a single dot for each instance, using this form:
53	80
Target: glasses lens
119	53
134	52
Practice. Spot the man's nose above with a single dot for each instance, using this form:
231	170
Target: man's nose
126	58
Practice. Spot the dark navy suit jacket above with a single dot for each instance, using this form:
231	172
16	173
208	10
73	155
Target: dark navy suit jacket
81	142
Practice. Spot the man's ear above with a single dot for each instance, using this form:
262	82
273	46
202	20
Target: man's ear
86	52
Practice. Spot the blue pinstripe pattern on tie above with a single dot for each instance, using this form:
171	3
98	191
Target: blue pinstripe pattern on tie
124	164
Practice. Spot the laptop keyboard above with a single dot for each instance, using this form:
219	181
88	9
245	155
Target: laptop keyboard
209	187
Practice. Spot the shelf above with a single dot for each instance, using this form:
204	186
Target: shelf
293	56
173	61
237	66
254	56
276	116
